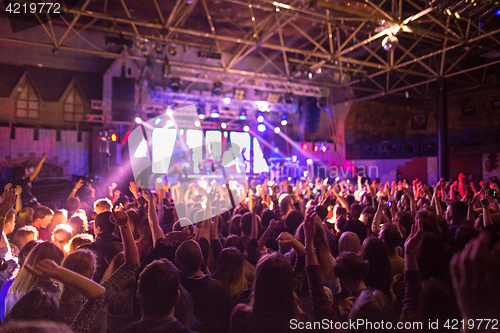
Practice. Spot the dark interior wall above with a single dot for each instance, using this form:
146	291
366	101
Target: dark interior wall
415	169
468	164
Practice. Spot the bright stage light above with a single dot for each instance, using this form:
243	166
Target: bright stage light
138	120
309	161
223	125
246	128
169	111
260	117
157	121
261	127
276	130
284	122
159	180
243	114
197	123
215	112
170	123
227	100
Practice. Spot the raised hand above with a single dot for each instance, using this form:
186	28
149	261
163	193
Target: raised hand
474	273
116	195
416	236
119	218
309	228
146	193
46	269
133	188
285	239
273	224
79	184
9	199
18	190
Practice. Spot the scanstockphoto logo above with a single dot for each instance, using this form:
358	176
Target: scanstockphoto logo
161	152
27	14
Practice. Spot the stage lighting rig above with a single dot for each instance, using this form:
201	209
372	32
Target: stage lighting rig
175	84
121	41
217	89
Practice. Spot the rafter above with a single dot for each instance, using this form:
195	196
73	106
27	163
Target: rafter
72	24
209	18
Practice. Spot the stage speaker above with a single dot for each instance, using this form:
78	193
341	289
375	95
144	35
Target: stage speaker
123	99
310	114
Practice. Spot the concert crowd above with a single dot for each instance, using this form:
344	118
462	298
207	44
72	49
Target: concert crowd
288	256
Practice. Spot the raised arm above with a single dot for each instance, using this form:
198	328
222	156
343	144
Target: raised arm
341	199
132	186
38	167
129	248
9	198
377	219
77	186
19	204
50	270
156	231
207	218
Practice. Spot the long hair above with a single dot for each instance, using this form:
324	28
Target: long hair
25	281
82	262
235	273
273	303
379	267
349	242
325	258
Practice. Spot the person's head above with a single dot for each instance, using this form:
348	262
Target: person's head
42	217
456	213
231	269
464	234
246	224
25	217
61	236
273	303
372	306
103	225
432	258
79	240
403	222
35	305
267	216
340	212
158	288
390	235
24	235
235	228
115	263
188	257
60	217
78	224
355	211
379	274
35	326
322	212
73	204
102	205
349	241
25	281
293	220
25	251
235	241
82	262
350	269
9	222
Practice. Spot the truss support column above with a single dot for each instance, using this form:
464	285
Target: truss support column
442	130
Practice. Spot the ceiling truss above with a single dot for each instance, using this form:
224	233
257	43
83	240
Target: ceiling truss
347	44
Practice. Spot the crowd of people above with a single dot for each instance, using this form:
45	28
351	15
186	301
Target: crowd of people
289	257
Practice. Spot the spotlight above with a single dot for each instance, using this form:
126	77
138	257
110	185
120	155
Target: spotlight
142	46
169	111
318	70
215	112
201	111
138	120
246	128
277	130
188	1
175	84
243	114
312	5
157	121
310	75
315	148
223	125
309	161
226	100
172	50
260	117
261	128
217	89
113	137
284	119
239	93
389	42
323	149
197	123
170	123
304	146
